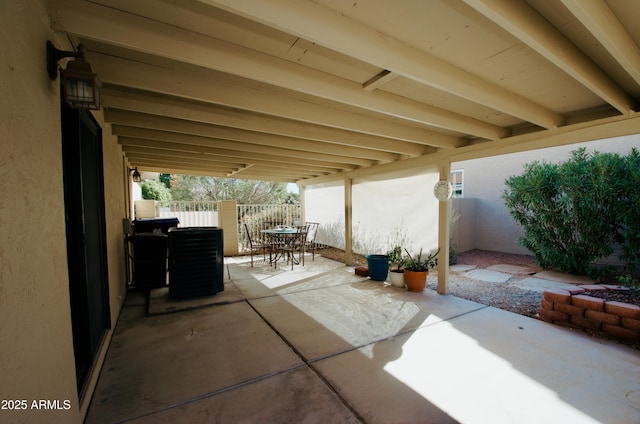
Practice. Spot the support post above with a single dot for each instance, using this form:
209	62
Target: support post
444	225
228	221
348	218
303	206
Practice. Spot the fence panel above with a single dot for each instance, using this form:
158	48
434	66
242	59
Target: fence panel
191	213
257	217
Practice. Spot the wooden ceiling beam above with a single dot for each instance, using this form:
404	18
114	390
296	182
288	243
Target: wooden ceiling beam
321	25
379	80
149	134
524	23
375	152
173	168
359	127
598	18
221	159
231	154
99	23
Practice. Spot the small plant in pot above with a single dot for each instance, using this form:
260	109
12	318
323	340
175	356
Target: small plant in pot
416	269
396	262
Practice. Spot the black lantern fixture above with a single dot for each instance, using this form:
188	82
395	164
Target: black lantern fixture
81	85
136	175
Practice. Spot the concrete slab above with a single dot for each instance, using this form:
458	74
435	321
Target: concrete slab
513	269
461	268
358	351
540	285
161	303
564	277
296	396
166	360
488	276
263	281
489	366
318	323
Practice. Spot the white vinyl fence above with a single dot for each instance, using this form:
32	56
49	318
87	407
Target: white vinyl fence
191	214
205	214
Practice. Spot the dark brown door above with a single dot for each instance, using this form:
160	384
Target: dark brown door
85	227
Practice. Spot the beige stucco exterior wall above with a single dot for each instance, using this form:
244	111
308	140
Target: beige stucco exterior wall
36	350
484	179
396	208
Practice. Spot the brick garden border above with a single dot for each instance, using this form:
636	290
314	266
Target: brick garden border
574	308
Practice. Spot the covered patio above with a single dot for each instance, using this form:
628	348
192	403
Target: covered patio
321	344
318	93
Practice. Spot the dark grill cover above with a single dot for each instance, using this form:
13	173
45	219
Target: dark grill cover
149	260
151	225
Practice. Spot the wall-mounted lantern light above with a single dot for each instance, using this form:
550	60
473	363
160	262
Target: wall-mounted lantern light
136	175
81	85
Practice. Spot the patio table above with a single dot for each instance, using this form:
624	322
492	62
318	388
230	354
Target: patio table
282	240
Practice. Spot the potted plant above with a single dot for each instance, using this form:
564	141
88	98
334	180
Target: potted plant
396	262
378	267
416	269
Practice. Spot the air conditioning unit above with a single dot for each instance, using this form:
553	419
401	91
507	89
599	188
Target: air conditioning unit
196	262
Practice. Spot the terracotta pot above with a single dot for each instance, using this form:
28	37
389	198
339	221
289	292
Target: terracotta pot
396	278
415	281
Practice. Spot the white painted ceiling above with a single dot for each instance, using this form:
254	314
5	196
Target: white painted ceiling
300	91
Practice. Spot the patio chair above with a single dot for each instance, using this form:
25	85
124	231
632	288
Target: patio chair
295	245
310	242
257	244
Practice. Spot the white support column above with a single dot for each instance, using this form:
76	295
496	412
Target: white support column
348	218
303	209
444	225
228	221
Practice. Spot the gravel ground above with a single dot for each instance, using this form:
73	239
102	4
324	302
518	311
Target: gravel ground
500	295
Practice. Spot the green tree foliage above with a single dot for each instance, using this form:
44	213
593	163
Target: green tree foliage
572	213
155	190
166	180
245	192
628	210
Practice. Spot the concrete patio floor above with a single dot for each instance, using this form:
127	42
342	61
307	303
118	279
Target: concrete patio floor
321	345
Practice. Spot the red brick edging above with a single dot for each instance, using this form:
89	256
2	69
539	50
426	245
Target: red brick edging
575	309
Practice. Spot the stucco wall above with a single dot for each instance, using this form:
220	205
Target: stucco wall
463	224
325	204
391	209
36	350
484	179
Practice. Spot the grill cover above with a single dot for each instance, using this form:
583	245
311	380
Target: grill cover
149	260
154	225
195	262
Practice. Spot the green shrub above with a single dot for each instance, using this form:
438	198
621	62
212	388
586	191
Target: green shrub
628	211
572	212
155	190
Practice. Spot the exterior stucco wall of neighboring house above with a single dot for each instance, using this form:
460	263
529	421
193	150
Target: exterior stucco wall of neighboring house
36	347
489	226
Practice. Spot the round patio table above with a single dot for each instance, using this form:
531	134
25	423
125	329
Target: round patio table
283	240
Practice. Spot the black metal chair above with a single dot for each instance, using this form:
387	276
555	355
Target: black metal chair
295	244
256	245
310	242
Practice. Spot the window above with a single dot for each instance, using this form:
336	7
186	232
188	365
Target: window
457	181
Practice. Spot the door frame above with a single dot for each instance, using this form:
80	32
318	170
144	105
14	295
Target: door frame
83	180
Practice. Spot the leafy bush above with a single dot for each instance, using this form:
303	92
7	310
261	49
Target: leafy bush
155	190
630	282
573	212
628	210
